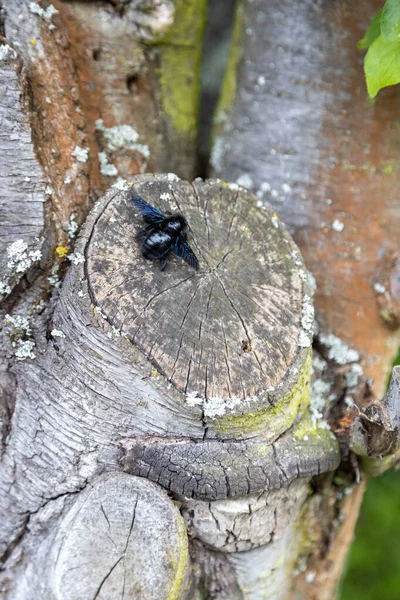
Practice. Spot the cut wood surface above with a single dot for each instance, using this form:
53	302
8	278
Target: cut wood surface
121	537
228	334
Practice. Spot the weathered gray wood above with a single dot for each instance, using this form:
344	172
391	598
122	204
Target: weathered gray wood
239	525
120	537
21	178
213	469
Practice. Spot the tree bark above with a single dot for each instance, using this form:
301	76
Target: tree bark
160	434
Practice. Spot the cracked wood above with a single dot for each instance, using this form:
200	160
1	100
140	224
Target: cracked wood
229	331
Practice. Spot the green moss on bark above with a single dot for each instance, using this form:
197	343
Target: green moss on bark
180	58
271	421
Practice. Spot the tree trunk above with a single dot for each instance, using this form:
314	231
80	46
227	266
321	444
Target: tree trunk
295	126
160	436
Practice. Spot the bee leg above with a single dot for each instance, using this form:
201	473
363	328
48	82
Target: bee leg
163	262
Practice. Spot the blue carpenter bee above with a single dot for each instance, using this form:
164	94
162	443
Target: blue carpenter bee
163	234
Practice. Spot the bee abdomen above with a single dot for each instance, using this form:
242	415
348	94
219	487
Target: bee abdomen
156	245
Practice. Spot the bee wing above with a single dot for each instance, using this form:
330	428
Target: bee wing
183	250
150	214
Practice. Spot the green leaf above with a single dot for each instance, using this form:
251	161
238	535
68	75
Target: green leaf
390	21
373	31
382	65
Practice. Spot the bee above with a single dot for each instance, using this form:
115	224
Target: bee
163	234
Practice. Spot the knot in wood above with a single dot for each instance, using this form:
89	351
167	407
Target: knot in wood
226	333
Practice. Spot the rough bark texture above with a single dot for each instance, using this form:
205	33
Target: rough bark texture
295	126
120	380
21	178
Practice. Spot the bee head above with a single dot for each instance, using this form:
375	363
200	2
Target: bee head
176	225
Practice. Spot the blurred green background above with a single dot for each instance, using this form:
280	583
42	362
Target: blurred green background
373	566
373	569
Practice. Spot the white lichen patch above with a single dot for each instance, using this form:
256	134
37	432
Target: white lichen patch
54	279
44	13
81	154
318	399
303	275
172	177
245	181
72	227
80	294
76	258
122	136
166	196
20	258
218	153
106	168
310	576
57	333
318	363
286	189
379	288
233	186
275	221
4	288
337	225
7	53
97	310
261	80
353	375
338	350
307	317
305	339
216	406
312	282
121	184
19	322
23	348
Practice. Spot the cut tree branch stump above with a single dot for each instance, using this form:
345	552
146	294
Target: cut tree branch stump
197	381
121	537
